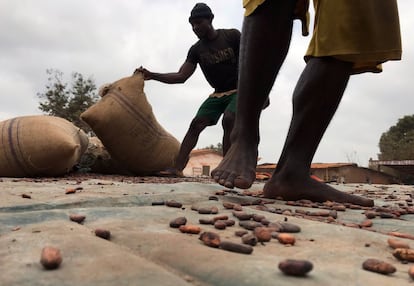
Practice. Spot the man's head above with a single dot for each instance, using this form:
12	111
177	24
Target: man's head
200	19
201	10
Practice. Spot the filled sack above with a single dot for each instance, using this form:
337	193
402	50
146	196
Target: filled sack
124	121
39	145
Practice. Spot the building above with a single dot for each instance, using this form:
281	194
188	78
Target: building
202	162
340	173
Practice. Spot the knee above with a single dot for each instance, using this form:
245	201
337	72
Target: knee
199	124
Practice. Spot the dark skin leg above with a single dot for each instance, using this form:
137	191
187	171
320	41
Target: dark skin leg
261	56
315	101
190	140
228	124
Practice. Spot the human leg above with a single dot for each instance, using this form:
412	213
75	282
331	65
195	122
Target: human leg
228	124
315	101
261	56
198	124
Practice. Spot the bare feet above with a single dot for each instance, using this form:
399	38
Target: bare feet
238	167
310	189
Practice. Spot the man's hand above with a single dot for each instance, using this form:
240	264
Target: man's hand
146	73
301	13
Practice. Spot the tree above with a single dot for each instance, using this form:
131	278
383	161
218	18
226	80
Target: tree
68	102
398	142
217	148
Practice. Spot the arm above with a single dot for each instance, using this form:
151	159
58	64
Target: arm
185	71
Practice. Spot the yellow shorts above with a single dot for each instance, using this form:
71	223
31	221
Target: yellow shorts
366	33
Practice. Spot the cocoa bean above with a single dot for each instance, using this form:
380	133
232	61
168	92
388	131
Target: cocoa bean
366	223
206	221
411	272
378	266
220	224
249	239
396	243
240	232
258	218
249	225
286	238
242	215
370	214
77	218
236	247
210	239
193	229
103	233
50	257
177	222
173	204
228	205
221	217
263	234
295	267
404	254
208	210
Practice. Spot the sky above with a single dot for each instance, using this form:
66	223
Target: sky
106	40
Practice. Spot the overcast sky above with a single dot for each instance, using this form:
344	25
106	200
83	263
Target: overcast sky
108	39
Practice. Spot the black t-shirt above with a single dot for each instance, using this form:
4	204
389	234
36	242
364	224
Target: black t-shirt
218	59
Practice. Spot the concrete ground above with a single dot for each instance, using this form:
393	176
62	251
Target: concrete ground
144	250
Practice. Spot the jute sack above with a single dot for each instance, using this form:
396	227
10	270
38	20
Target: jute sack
123	120
39	145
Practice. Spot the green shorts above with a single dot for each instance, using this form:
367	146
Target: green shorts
214	107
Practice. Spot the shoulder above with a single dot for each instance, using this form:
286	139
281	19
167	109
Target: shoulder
230	32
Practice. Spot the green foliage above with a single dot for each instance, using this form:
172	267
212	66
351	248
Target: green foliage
68	102
217	148
398	142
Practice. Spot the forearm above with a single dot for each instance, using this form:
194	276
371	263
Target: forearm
169	78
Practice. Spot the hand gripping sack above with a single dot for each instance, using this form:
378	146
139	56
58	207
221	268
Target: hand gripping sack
123	120
39	145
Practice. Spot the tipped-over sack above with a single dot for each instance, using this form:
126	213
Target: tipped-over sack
39	145
123	120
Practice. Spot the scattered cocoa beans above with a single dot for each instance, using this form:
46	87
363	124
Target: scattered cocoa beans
177	222
284	227
397	243
77	218
404	254
210	239
50	257
70	191
193	229
286	238
295	267
103	233
378	266
236	247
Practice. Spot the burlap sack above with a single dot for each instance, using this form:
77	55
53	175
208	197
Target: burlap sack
39	145
123	120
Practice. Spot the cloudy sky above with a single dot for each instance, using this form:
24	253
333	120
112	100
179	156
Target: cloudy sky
107	40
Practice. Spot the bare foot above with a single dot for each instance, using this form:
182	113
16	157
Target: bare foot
238	167
311	190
